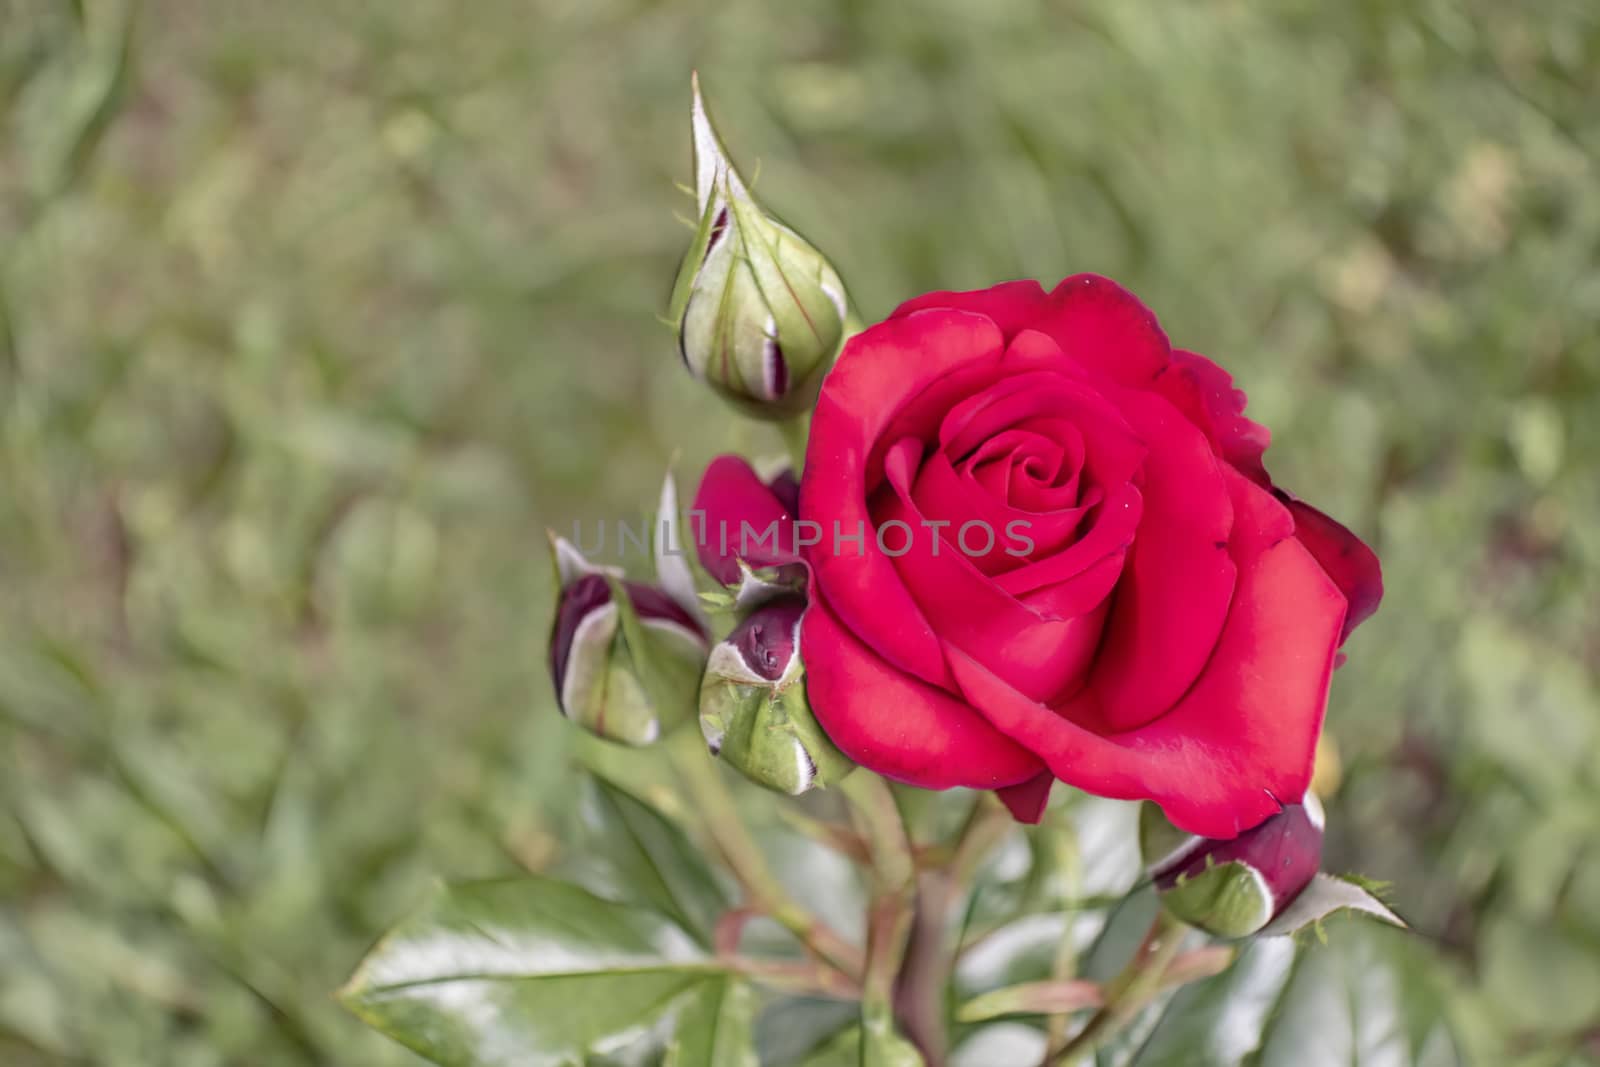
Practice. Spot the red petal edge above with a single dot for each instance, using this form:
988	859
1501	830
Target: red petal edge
1346	558
1009	305
891	723
1026	800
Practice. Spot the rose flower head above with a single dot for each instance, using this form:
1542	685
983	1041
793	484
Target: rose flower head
1042	545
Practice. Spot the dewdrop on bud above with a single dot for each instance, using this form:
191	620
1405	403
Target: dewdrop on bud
625	656
1234	888
753	710
760	313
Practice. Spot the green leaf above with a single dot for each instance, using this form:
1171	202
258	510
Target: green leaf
865	1047
629	852
885	1048
1327	895
790	1029
1047	894
1119	939
1220	1021
716	1028
1365	999
1537	976
1008	1042
842	1050
1120	936
529	972
10	363
96	94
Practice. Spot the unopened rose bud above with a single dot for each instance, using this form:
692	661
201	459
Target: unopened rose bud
1234	888
625	656
760	313
753	709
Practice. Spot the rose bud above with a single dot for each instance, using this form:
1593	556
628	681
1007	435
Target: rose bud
625	656
760	313
1236	887
753	709
746	535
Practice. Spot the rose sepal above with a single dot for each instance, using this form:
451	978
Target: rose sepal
754	713
625	657
1326	895
1234	888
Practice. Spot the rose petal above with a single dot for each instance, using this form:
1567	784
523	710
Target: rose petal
881	380
1028	452
1240	740
1259	518
1205	393
1034	350
1353	566
786	487
1048	479
578	601
1042	656
731	497
1027	800
890	722
1083	594
1034	466
1113	450
1105	329
1110	533
1010	305
1173	596
941	494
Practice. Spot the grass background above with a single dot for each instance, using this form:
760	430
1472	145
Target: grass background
314	315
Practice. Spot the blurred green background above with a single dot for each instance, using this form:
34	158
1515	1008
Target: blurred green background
314	315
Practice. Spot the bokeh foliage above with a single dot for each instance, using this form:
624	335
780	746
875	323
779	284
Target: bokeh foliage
314	315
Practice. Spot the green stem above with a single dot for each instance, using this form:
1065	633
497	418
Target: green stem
919	994
714	806
1068	861
795	432
929	954
805	979
1128	992
987	825
893	895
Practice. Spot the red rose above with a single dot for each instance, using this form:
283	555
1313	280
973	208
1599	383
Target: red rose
1073	564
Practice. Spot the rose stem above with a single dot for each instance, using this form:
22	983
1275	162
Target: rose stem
987	825
1069	861
893	890
1127	992
795	432
716	808
920	986
806	979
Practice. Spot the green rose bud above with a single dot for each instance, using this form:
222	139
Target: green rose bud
760	314
625	656
753	709
1234	888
